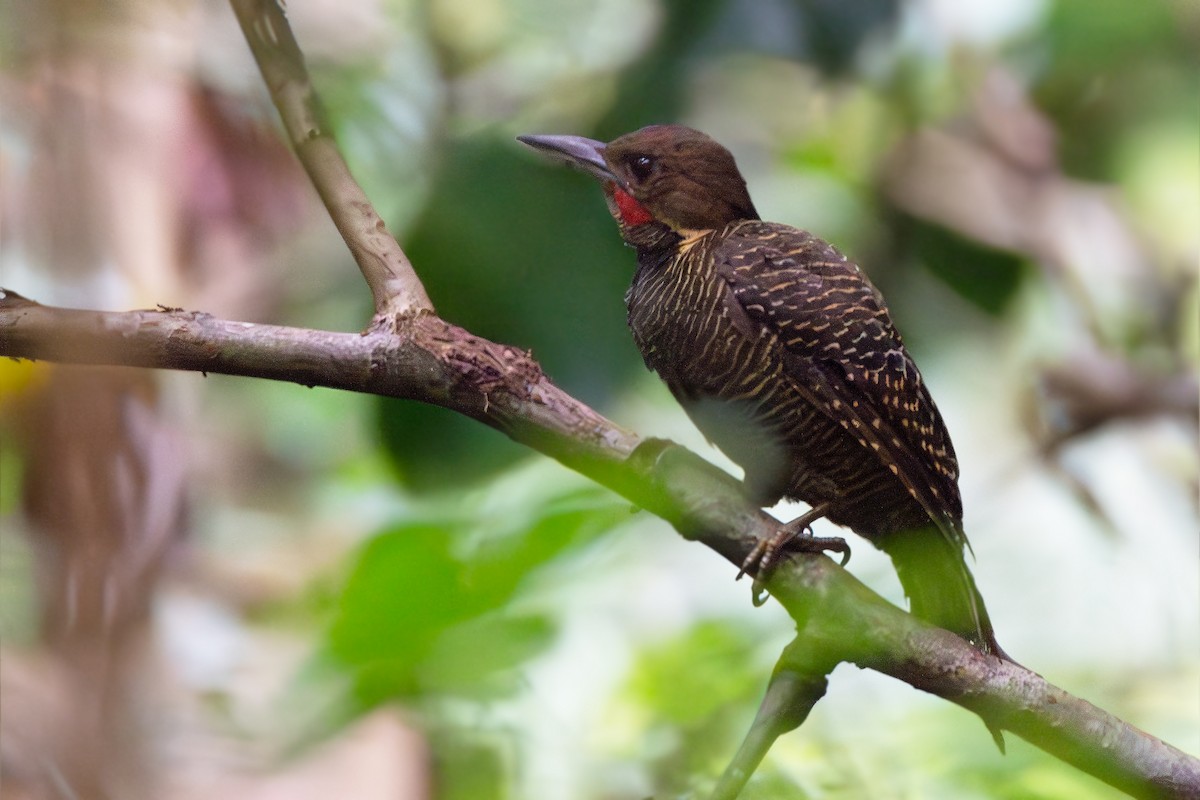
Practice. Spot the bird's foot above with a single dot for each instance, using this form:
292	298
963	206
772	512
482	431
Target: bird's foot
795	537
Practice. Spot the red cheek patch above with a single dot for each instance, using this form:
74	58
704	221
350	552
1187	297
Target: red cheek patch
632	212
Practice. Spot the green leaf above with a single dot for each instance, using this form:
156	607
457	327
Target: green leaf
423	610
985	276
688	679
480	658
404	589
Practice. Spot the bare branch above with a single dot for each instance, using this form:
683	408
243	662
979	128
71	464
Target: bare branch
395	287
427	359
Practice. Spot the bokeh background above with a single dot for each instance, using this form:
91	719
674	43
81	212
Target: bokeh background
215	587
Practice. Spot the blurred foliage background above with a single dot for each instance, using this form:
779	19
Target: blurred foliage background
219	587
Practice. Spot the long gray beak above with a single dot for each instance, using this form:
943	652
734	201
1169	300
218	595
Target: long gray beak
586	154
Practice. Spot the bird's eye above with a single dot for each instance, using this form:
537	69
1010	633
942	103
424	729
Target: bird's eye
642	167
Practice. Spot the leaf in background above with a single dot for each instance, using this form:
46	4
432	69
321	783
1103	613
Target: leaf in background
987	277
1112	68
695	694
689	678
432	448
480	657
834	32
402	592
470	766
422	613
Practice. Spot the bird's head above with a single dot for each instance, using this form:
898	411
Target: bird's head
664	175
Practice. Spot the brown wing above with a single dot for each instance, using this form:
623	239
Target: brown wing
844	356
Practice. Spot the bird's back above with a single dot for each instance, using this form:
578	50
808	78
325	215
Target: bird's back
783	353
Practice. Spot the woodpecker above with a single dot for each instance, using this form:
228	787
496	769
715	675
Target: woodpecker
783	354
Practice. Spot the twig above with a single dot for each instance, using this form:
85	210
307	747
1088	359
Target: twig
427	359
790	697
394	284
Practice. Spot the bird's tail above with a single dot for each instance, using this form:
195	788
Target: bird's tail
941	590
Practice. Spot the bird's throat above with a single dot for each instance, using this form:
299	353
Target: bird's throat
632	212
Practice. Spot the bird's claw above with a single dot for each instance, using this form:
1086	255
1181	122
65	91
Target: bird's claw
767	553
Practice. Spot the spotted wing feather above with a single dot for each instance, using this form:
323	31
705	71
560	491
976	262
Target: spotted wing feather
844	355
